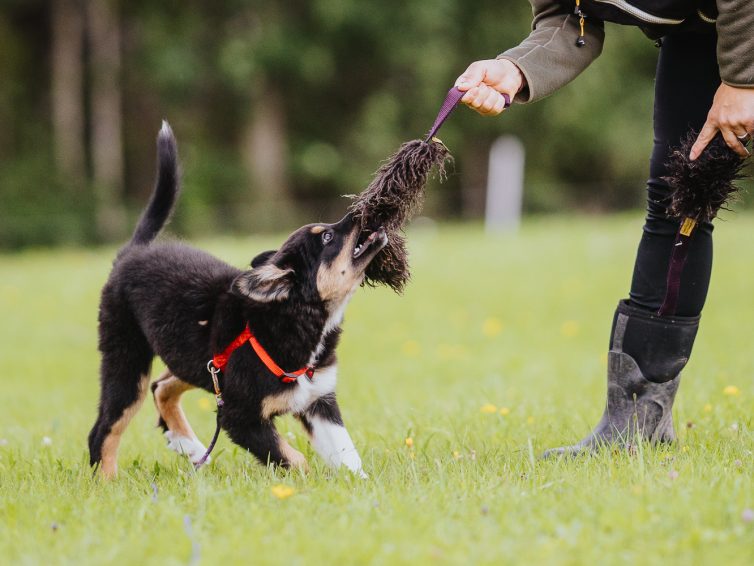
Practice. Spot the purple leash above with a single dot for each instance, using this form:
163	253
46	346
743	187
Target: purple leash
451	100
205	457
214	372
675	268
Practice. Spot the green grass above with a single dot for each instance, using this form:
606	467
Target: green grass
519	323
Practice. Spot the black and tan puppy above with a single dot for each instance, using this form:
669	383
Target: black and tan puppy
183	305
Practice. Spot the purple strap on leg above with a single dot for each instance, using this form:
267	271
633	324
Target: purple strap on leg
454	96
677	261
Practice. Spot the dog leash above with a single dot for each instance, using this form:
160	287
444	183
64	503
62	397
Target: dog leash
214	372
452	99
675	267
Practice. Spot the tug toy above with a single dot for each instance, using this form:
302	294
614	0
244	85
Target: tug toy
396	195
701	189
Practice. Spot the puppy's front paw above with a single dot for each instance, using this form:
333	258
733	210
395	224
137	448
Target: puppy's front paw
189	447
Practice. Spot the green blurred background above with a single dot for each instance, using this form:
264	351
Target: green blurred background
281	107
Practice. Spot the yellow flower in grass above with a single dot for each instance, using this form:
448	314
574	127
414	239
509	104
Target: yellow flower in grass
410	442
492	327
505	411
570	328
707	408
204	403
488	408
282	491
530	420
411	348
731	391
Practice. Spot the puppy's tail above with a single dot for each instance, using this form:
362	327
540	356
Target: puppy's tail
165	190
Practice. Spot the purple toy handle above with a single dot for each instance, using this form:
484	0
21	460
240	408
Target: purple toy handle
451	100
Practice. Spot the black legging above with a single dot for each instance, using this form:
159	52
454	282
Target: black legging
686	81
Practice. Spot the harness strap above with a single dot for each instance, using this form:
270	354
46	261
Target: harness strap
285	377
220	361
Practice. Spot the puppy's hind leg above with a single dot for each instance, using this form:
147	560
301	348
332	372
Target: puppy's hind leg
167	391
124	378
124	385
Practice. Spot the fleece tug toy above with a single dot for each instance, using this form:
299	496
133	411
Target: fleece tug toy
701	189
396	194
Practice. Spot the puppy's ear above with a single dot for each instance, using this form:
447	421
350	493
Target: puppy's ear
262	258
264	284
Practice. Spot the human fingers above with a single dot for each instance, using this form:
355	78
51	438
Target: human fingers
736	142
500	105
705	136
490	101
477	96
472	76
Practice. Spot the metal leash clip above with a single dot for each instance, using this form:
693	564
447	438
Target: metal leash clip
214	372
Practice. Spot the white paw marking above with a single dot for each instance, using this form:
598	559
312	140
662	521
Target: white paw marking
334	444
189	447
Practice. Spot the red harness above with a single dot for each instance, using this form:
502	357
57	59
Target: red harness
220	361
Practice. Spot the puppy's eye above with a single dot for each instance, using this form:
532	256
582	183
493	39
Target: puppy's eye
326	237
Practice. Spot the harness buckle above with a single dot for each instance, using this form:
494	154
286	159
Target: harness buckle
288	377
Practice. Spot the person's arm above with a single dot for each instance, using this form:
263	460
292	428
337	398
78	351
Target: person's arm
545	61
549	58
732	112
735	45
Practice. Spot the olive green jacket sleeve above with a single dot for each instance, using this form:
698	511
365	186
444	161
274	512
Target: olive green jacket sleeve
735	42
549	58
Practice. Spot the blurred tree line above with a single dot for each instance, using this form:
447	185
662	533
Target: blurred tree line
280	107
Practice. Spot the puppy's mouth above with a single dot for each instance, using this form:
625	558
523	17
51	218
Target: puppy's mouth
369	240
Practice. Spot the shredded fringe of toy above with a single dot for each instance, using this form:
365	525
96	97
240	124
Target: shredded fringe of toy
392	199
705	186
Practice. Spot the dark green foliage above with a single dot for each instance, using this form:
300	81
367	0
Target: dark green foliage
350	79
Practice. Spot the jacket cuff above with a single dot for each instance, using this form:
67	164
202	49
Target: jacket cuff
549	58
522	96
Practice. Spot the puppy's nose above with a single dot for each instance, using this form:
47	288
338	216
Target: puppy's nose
346	222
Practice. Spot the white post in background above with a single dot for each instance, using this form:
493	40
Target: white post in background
505	185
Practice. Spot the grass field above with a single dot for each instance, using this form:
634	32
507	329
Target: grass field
496	352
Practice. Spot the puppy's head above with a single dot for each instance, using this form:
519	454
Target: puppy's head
318	262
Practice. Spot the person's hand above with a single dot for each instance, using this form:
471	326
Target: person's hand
732	114
486	81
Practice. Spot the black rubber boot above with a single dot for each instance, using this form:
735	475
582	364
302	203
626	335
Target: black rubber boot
647	354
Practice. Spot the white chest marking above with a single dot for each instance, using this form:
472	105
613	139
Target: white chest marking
309	390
